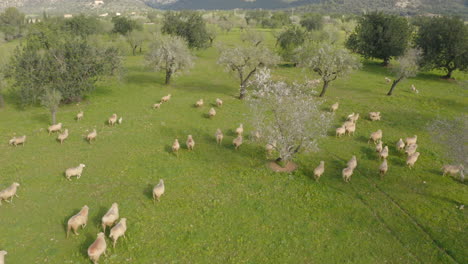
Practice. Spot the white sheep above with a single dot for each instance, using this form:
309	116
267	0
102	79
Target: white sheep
175	146
240	130
350	129
118	230
79	116
340	131
2	256
219	102
9	193
411	160
319	170
112	120
388	80
352	163
77	171
347	173
15	141
374	116
237	142
199	103
452	169
270	147
348	123
219	136
400	145
411	140
61	137
379	147
212	112
376	136
190	142
166	98
157	106
55	128
334	107
413	89
383	167
158	190
110	217
97	248
384	153
410	149
120	121
353	117
78	220
91	136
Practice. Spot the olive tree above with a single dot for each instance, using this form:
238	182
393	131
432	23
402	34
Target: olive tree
51	100
287	116
408	66
328	61
135	39
170	54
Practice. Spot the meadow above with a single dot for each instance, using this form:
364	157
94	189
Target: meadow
223	205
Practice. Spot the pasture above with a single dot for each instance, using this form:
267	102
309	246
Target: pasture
226	206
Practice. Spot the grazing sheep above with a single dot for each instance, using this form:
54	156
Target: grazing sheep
15	141
212	112
334	107
340	131
112	120
157	106
78	220
452	169
79	116
379	147
118	230
240	130
413	89
219	102
350	116
199	103
411	160
120	121
97	248
61	137
190	142
374	116
2	256
348	123
270	147
410	149
400	144
9	193
384	153
347	173
388	80
411	140
353	117
175	146
55	128
158	190
237	142
350	129
383	167
219	136
110	217
166	98
91	136
352	163
319	170
376	136
77	171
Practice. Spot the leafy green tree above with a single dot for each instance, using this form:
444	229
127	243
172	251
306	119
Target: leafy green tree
380	36
213	31
171	55
289	40
277	20
135	39
82	25
328	61
408	66
252	37
123	25
51	100
444	42
188	25
312	22
12	23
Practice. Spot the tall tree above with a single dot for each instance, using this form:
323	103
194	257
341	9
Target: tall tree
289	40
82	25
171	55
444	42
189	25
12	23
51	100
328	61
408	66
380	36
135	39
123	25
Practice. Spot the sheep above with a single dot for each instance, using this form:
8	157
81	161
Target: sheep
118	230
15	141
400	145
334	107
347	173
270	147
347	124
120	121
352	163
410	149
375	136
157	106
319	170
91	136
237	142
374	116
79	116
379	147
190	142
112	120
411	160
78	220
219	136
384	153
77	171
340	131
212	112
166	98
240	130
388	80
413	89
55	128
158	190
175	146
110	217
452	169
350	116
383	167
219	102
2	256
97	248
350	129
61	137
199	103
9	193
411	140
353	117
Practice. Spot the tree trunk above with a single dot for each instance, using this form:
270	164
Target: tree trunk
168	77
134	49
243	91
386	62
449	73
394	84
324	88
53	117
2	102
141	49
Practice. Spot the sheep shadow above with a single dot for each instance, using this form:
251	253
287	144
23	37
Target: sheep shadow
148	191
168	149
207	116
101	212
363	139
86	243
398	162
369	153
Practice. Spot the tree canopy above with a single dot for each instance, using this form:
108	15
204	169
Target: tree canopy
289	39
12	23
123	25
407	66
188	25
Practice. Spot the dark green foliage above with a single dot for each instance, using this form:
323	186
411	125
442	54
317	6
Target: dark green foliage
277	20
444	42
123	25
12	23
312	22
380	36
289	40
82	25
256	16
188	25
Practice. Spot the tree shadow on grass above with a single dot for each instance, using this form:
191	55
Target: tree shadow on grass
86	243
369	153
41	117
101	212
148	191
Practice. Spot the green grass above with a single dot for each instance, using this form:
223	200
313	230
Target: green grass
222	205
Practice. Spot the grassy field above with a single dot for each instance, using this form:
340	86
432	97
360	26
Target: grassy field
226	206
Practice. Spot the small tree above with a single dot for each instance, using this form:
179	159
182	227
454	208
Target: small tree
171	55
328	61
213	31
312	22
123	25
408	66
245	61
289	40
135	39
51	100
252	37
288	115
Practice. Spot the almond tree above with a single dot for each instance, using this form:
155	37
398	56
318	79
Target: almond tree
408	66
